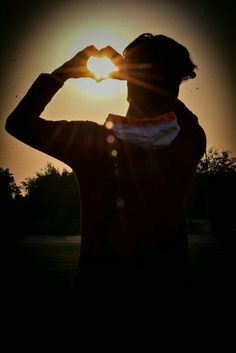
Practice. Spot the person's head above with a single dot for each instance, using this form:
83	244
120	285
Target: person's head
156	61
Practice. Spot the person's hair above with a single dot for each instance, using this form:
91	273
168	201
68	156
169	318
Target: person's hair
163	52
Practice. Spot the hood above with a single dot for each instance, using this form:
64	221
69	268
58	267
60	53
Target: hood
157	132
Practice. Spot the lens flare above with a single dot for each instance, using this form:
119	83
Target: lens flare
109	125
101	67
110	139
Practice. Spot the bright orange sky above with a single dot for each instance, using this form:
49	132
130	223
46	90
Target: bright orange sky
41	37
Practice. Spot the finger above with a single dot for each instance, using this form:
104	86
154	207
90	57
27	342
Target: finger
112	54
85	73
91	51
86	53
109	52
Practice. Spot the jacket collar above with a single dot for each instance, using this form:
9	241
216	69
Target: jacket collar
155	132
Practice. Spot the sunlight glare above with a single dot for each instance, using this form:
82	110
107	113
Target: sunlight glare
105	89
101	67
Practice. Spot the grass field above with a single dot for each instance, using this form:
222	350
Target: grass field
44	268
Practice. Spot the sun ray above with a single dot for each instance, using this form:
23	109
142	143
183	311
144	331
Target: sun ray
141	83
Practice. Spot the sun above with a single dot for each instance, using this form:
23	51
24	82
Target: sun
101	67
102	85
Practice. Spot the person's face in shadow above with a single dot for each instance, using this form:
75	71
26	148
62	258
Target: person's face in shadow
149	90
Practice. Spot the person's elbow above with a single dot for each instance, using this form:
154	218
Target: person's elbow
9	125
13	126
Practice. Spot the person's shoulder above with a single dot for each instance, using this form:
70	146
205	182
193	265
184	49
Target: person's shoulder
88	129
186	118
83	124
190	126
184	114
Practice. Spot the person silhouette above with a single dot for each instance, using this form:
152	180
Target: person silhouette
134	172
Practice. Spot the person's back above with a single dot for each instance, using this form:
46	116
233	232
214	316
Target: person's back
134	173
134	199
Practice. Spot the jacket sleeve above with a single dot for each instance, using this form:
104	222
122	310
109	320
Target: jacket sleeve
55	138
32	105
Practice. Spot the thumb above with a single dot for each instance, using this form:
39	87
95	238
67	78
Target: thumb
113	55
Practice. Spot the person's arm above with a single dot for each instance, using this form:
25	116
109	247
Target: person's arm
44	88
25	124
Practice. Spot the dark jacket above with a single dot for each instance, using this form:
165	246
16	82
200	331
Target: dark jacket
133	197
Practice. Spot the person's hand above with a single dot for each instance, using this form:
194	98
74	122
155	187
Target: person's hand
118	61
77	66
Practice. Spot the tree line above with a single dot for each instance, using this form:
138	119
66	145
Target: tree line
49	202
46	204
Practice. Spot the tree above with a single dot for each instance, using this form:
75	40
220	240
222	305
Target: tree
213	193
9	197
8	188
215	162
215	176
51	202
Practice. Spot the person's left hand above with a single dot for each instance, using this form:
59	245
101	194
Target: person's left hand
77	66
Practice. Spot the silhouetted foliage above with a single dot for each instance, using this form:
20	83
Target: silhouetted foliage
213	193
215	170
9	199
214	181
8	188
215	162
51	203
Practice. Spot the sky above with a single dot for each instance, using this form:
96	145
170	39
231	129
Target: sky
40	36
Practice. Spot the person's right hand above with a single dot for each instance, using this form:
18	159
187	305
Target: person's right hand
118	61
77	66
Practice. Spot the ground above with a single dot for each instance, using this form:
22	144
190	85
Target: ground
43	268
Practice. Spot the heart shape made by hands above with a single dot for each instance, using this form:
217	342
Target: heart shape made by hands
101	67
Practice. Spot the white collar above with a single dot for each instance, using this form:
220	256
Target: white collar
154	132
